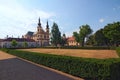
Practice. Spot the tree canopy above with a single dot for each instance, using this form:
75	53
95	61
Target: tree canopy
108	36
112	32
77	37
55	35
84	32
90	40
100	39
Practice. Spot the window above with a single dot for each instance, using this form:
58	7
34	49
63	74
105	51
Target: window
40	36
44	36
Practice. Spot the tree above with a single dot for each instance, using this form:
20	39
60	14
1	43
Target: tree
14	43
100	38
63	40
84	32
112	32
55	35
25	44
77	37
90	40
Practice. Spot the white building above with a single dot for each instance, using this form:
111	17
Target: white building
7	43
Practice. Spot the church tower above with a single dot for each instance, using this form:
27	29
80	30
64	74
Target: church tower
41	36
39	28
47	28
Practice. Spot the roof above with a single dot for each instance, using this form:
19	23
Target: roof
19	39
71	38
30	33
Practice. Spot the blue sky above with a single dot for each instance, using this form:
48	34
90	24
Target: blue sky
19	16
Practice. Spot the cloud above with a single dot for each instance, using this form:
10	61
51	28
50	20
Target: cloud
16	19
116	8
43	14
101	20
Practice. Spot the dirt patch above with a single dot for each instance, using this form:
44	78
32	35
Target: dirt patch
4	55
101	54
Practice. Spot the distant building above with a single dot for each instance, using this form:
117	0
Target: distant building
29	35
1	42
71	41
33	39
40	36
7	43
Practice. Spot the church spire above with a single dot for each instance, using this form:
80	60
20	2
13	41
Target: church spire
47	26
39	23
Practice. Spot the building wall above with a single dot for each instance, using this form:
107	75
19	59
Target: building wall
72	43
8	44
41	37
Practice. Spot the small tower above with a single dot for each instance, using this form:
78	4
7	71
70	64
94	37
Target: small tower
39	25
47	28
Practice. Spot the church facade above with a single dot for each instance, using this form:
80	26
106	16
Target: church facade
41	36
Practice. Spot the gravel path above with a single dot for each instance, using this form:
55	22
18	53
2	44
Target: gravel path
13	68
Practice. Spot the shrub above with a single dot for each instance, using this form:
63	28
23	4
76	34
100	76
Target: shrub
89	69
118	51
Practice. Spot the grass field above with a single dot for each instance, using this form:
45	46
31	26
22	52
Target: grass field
100	54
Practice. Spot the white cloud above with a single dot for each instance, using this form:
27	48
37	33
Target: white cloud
17	20
116	8
101	20
43	15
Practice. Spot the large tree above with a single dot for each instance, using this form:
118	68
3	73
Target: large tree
55	35
90	40
100	38
84	32
112	32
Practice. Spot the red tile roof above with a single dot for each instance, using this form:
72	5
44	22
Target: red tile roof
71	38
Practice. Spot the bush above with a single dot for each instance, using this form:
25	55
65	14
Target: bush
118	51
89	69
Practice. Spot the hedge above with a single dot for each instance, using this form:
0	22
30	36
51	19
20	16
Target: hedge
89	69
118	51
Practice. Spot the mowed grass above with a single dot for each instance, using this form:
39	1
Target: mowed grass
100	54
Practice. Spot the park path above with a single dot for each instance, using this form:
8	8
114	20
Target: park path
13	68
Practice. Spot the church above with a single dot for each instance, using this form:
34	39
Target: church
41	36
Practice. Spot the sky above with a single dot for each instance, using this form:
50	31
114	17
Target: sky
17	17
